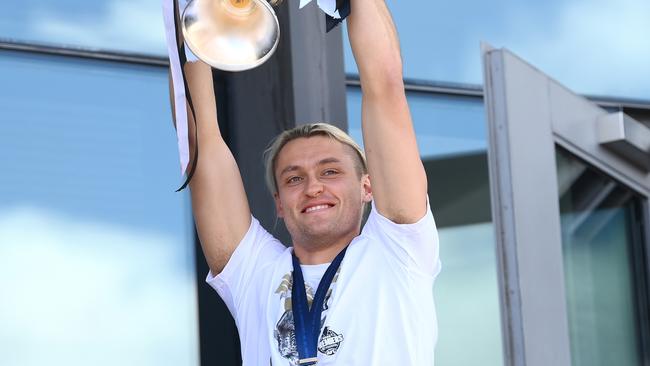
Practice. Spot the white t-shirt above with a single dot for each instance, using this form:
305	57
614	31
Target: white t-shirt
379	310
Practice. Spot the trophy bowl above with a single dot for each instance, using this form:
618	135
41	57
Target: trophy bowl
231	35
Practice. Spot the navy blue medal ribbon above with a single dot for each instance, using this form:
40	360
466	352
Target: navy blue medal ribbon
306	320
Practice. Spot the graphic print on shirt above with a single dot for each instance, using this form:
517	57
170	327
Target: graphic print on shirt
285	331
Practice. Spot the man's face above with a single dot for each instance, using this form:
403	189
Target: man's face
320	194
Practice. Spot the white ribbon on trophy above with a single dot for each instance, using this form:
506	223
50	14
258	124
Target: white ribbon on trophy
178	83
328	6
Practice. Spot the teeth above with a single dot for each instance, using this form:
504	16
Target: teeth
316	208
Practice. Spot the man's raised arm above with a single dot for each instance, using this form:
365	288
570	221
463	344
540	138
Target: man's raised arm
399	183
220	206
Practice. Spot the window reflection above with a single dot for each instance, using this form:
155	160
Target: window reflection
78	292
466	292
118	25
445	125
466	295
603	264
593	47
96	250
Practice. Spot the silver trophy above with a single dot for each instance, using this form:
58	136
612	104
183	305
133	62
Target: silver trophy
238	35
231	35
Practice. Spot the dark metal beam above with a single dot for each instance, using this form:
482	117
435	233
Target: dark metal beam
79	52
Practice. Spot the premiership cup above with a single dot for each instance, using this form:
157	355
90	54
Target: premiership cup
231	35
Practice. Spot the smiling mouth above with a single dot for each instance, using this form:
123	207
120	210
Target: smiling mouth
316	208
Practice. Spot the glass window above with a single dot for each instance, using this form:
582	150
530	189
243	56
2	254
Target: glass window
445	125
452	142
602	247
96	249
595	47
116	25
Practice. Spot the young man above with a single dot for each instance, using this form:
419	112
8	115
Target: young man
375	305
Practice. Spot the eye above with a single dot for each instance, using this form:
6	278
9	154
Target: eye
294	179
330	172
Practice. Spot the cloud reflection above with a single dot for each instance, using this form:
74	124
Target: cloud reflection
597	47
135	26
88	293
467	297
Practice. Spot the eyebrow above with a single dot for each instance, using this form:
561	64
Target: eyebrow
325	161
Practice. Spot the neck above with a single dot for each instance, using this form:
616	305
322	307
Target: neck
319	254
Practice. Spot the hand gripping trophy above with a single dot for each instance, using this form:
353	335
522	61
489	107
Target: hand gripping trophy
229	35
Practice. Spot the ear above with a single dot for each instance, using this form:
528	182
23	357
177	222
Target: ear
279	212
366	188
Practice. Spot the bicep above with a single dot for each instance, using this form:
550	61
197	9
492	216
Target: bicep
219	204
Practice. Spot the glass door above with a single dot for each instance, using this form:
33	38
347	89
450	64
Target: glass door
602	246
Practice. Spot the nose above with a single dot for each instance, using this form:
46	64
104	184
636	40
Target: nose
314	187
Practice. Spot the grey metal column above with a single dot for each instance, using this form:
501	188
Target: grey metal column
525	209
303	82
317	67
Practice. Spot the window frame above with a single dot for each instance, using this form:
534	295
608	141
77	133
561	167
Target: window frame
529	114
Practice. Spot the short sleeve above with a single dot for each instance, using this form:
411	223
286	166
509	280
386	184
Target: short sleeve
245	269
414	245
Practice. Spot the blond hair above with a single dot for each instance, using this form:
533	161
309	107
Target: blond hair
306	131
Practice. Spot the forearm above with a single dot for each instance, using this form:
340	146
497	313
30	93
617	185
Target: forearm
200	84
375	46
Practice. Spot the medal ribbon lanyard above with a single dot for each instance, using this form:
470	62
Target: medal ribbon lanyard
307	320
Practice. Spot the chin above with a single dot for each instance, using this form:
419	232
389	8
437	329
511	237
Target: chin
319	230
323	234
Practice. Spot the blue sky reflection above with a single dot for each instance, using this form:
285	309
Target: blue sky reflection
596	47
96	248
445	125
